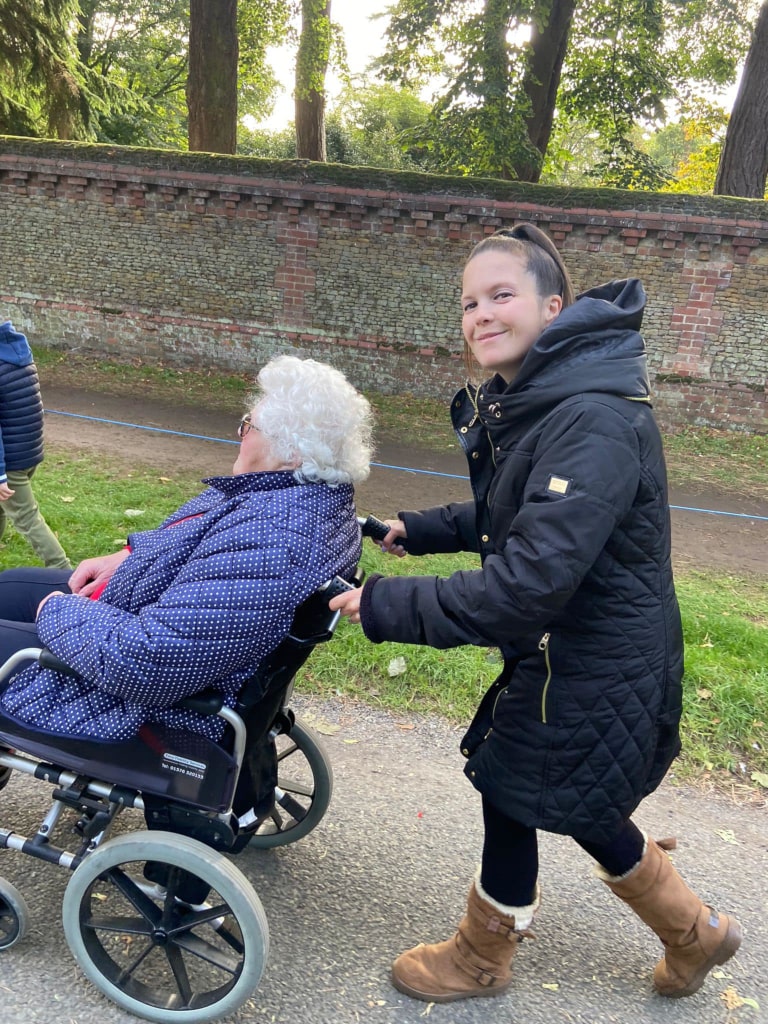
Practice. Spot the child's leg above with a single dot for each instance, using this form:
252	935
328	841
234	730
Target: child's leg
510	864
22	509
622	854
696	937
477	960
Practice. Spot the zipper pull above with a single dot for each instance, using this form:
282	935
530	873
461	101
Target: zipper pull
544	642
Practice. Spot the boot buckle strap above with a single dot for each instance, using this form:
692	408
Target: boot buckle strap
497	926
484	978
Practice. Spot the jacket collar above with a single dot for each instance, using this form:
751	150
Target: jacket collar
244	482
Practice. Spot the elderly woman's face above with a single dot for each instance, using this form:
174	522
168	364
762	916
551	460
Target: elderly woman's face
255	455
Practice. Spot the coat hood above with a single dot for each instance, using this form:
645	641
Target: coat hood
593	345
14	347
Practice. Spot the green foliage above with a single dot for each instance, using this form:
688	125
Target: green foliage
617	75
43	87
372	124
626	166
369	125
116	70
140	48
707	40
725	621
689	148
477	124
314	48
624	63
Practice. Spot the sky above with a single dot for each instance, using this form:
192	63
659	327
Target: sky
364	39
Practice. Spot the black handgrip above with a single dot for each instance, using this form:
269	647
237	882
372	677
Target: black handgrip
207	702
48	659
378	530
334	587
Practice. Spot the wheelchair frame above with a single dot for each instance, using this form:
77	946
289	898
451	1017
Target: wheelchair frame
184	937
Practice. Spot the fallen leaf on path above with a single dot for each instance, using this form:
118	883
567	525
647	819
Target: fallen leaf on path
727	835
407	726
761	778
733	1000
327	728
320	725
551	986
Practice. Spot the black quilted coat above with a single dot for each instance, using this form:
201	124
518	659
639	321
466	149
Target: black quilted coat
570	517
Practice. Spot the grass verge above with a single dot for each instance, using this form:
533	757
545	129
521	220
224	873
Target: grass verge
94	507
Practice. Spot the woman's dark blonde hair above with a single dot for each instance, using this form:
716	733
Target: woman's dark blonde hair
542	261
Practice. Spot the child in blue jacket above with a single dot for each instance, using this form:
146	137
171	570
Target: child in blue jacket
21	447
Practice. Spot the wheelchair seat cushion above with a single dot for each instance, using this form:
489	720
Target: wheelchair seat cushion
175	764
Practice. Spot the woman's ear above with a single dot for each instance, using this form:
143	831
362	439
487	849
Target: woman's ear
552	308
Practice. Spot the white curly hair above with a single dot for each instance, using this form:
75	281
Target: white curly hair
308	411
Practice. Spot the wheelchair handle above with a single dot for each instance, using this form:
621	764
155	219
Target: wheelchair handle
48	659
334	587
373	527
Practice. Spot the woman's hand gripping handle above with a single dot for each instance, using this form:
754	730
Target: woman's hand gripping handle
391	536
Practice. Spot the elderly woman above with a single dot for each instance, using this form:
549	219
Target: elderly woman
202	599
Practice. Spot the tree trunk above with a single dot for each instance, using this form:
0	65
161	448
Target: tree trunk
311	67
549	44
212	78
743	164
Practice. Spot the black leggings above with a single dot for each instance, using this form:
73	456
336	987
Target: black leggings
21	591
510	864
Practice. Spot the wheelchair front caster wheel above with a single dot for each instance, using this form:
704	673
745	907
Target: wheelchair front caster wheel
14	915
303	793
189	948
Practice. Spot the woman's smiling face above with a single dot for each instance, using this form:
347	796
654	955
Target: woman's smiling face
503	313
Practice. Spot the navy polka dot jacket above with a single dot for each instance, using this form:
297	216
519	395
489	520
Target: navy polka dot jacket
199	603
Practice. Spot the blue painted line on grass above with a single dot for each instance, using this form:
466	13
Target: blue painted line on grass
378	465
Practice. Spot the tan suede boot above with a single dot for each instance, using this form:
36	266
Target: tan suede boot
696	937
476	961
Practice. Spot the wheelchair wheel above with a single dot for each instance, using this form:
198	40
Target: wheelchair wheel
155	950
14	915
304	787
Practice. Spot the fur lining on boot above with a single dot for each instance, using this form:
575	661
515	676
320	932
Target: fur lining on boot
600	872
523	915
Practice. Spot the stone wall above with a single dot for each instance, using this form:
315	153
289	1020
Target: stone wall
192	259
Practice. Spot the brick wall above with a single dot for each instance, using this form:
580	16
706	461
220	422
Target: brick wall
191	259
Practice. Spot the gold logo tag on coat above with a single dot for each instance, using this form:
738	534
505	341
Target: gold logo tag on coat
558	485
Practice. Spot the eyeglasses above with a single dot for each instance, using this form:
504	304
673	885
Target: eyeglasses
245	425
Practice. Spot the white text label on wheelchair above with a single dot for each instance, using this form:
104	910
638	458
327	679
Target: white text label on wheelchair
184	766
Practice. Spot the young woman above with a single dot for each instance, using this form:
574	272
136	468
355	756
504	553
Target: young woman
570	518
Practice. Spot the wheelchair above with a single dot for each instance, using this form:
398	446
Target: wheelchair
160	920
